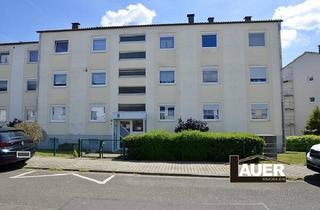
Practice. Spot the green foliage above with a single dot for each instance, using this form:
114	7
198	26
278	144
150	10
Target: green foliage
302	143
33	130
192	145
313	123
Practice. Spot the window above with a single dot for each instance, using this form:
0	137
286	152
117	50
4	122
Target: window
137	125
210	75
132	55
312	99
58	113
98	113
258	74
98	78
132	90
209	40
132	38
259	111
33	56
310	78
99	45
31	85
132	72
256	39
211	112
3	85
30	115
131	107
167	77
60	79
3	115
4	56
166	42
167	112
61	46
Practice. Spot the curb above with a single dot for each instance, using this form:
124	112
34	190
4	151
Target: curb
128	172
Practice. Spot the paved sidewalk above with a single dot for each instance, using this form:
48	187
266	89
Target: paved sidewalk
143	167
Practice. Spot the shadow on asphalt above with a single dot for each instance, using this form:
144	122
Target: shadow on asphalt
313	179
12	167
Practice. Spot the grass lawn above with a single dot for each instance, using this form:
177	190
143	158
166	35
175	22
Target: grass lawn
49	153
292	157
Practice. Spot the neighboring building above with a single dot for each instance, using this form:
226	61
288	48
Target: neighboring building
18	81
106	82
301	91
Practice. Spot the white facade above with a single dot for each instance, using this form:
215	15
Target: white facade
18	81
301	91
226	73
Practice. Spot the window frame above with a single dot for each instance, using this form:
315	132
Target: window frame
257	32
166	112
167	69
219	112
210	68
312	102
59	73
98	106
28	56
26	114
131	76
98	71
6	111
142	93
51	113
165	36
209	33
98	38
26	83
5	91
8	61
259	82
55	43
268	112
125	59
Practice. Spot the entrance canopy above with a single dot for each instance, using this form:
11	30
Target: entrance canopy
129	115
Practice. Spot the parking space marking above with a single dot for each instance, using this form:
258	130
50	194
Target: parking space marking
25	175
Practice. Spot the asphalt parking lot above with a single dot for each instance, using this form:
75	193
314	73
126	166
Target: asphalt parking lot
37	189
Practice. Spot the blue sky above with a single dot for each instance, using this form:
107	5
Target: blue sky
21	18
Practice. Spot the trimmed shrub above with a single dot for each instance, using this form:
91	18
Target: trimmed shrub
191	124
302	143
192	146
33	130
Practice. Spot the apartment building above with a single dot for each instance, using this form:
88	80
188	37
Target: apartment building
301	91
106	82
18	81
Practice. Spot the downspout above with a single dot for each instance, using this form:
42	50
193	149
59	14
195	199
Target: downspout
38	78
281	89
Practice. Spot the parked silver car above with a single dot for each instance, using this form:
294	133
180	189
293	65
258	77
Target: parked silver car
313	158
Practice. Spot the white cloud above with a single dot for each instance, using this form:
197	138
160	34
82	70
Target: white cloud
300	17
136	14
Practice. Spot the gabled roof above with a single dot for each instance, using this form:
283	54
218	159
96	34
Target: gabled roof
18	43
160	25
300	56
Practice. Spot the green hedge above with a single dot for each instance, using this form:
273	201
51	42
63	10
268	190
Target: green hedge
302	143
192	145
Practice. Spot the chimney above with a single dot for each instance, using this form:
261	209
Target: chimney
75	26
190	18
210	19
247	18
319	49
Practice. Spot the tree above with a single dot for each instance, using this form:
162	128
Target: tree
313	123
191	124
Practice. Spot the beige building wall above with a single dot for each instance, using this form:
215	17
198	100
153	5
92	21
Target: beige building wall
17	100
301	83
232	57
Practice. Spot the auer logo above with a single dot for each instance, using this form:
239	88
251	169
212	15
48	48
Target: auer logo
256	172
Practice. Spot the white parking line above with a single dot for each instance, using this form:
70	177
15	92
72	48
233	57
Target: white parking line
24	175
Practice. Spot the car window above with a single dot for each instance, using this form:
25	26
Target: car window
11	135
